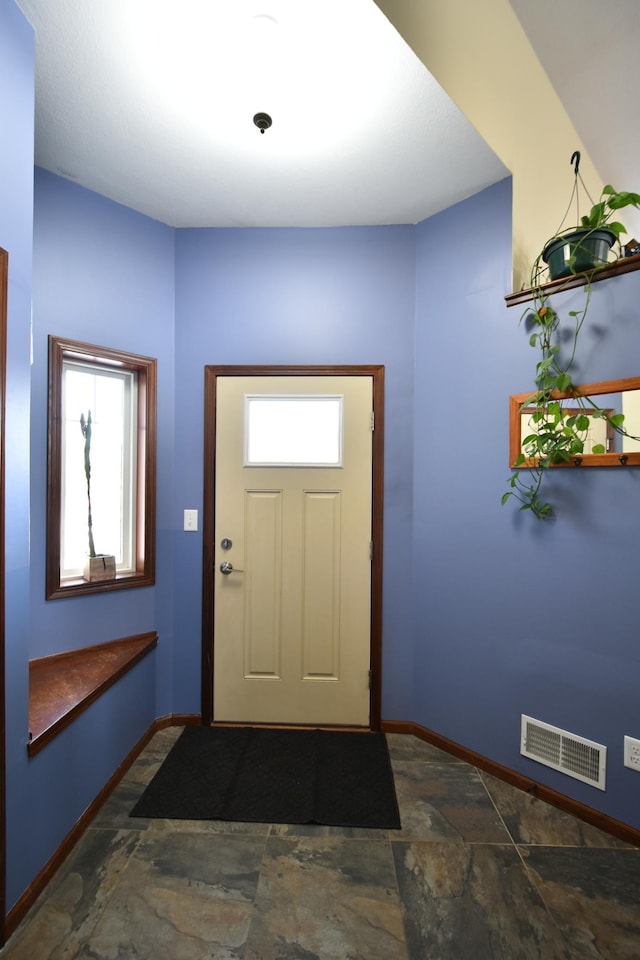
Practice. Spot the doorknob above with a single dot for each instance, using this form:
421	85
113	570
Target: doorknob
226	568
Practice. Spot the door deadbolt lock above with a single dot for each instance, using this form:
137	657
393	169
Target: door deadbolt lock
226	544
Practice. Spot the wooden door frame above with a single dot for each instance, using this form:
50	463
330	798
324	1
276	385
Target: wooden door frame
211	374
4	286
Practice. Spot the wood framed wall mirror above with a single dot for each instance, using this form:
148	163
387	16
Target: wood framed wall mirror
614	396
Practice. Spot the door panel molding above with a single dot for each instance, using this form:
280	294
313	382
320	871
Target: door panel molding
263	510
212	372
320	614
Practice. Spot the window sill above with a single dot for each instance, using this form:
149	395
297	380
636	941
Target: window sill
619	267
61	687
79	587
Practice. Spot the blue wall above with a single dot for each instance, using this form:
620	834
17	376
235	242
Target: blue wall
105	275
16	218
513	615
452	352
319	296
465	651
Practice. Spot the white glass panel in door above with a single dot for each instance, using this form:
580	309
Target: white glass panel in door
293	431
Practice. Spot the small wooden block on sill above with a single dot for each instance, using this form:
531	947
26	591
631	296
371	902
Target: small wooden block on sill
62	686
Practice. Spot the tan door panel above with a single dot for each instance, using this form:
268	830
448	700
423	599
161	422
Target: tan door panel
292	619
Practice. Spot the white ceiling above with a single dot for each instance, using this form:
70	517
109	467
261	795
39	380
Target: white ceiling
150	103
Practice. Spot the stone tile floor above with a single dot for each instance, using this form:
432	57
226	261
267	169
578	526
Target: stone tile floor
479	871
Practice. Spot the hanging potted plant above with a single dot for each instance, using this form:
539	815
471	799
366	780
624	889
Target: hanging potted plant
558	435
586	247
98	566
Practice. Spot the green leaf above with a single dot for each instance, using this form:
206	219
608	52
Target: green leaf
582	422
596	215
543	365
616	227
617	419
624	198
505	497
598	448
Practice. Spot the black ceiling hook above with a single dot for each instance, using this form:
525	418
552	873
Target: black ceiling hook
575	156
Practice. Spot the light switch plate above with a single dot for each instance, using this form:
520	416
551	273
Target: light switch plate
191	521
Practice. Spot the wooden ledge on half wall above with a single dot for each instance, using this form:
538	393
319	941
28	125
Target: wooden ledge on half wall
62	686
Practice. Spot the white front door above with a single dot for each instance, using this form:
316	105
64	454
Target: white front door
292	578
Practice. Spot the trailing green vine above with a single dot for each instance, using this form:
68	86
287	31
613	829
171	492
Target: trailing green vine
558	435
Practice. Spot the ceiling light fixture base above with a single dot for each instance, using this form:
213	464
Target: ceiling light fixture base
262	121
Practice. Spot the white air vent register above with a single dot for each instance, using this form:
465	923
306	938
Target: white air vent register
575	756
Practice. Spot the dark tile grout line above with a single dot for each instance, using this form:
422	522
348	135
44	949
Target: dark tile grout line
527	871
390	836
497	810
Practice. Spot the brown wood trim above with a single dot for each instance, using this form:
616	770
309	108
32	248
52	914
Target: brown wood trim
63	686
211	373
178	720
79	587
595	818
208	545
4	286
35	888
146	369
516	400
620	267
334	727
377	509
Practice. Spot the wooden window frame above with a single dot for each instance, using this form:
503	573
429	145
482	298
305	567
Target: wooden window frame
146	368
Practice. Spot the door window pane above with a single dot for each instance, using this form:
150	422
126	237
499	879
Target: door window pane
292	431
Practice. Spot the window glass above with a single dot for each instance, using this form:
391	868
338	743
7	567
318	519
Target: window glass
110	397
286	430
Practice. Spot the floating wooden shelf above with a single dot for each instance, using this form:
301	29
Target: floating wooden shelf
62	686
626	265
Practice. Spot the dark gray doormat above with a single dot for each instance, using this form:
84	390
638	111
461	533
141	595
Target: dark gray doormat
275	776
